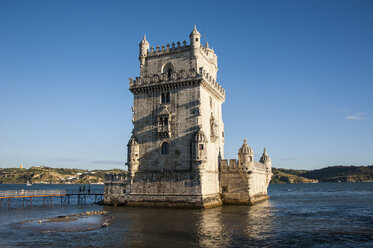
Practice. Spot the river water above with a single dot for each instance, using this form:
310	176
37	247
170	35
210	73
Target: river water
297	215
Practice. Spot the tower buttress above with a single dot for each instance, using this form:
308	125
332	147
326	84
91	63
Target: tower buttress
195	41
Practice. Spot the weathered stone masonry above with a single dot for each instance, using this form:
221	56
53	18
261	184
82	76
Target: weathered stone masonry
175	155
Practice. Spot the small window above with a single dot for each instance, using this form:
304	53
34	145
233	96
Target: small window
165	122
169	73
165	148
222	134
165	97
224	189
201	146
196	39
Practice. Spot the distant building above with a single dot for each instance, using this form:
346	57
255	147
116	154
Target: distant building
175	154
21	166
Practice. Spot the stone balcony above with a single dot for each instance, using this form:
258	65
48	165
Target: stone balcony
175	78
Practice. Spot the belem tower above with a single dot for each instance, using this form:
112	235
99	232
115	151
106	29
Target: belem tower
176	152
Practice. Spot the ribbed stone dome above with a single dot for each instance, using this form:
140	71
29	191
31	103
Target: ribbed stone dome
132	141
245	148
200	137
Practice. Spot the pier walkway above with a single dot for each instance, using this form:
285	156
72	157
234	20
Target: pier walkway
26	198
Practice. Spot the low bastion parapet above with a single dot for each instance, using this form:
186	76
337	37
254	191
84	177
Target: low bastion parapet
115	177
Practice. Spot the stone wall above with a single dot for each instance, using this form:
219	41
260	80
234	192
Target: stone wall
115	189
183	108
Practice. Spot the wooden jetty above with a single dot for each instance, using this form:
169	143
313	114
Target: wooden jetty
26	197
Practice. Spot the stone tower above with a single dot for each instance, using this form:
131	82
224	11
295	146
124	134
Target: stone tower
178	133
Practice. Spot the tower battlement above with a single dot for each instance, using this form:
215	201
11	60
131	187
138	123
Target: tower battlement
178	47
168	49
232	165
112	177
177	57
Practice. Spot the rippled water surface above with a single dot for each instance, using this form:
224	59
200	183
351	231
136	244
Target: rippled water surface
297	215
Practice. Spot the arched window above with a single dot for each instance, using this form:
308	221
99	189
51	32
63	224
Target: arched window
165	148
168	68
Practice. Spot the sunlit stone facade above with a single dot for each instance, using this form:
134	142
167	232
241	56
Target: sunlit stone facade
175	154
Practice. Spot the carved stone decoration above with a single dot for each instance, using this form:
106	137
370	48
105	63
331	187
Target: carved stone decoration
183	74
193	73
164	122
173	75
147	80
213	129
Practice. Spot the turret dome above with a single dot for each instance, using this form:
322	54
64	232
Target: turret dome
144	41
245	148
199	137
265	158
195	31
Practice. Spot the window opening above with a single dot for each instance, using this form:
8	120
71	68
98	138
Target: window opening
165	148
165	97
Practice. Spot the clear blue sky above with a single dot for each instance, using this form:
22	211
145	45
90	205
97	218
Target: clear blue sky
298	77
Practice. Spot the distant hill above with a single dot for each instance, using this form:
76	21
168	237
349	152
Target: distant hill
290	176
342	173
338	173
42	174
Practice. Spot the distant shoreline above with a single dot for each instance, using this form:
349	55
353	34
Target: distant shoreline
65	176
48	175
331	174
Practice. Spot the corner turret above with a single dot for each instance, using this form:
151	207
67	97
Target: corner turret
144	47
245	156
133	156
266	160
195	41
